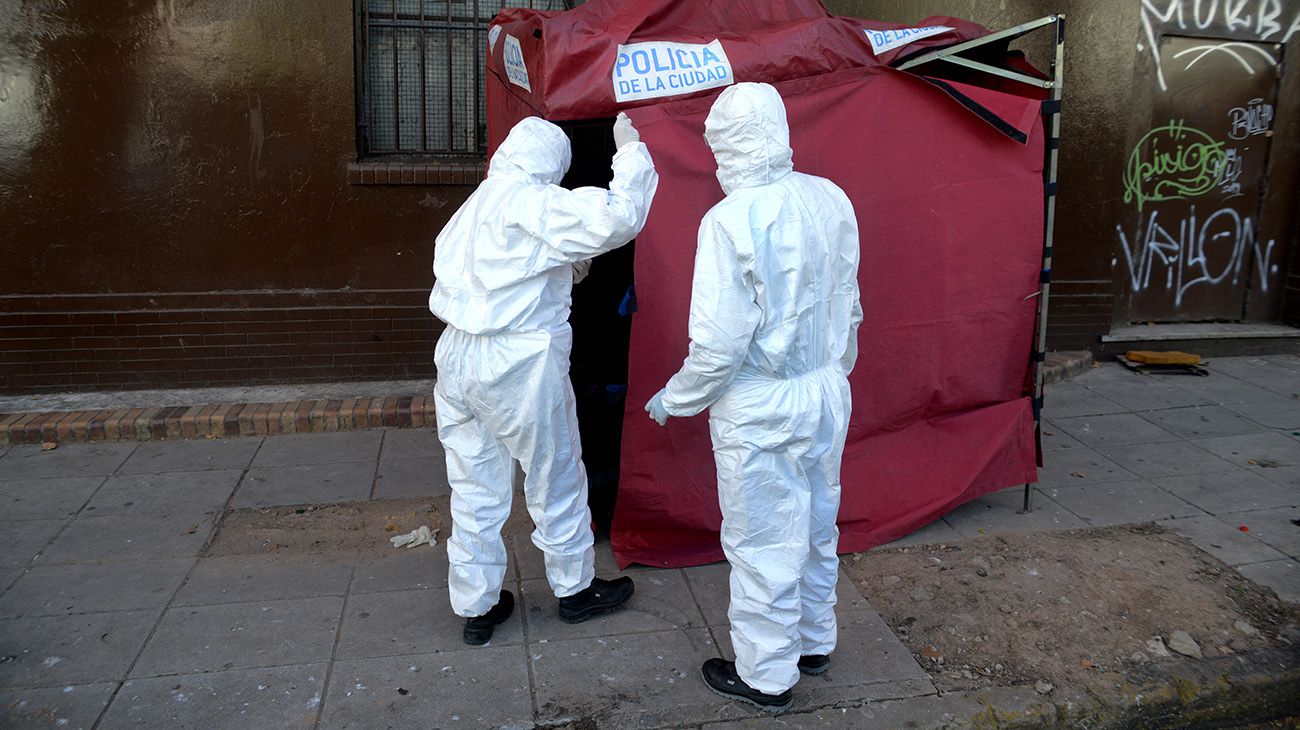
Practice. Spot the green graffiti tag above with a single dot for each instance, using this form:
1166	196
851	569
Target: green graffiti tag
1172	162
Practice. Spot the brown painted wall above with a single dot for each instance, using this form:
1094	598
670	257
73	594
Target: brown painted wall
1107	107
176	205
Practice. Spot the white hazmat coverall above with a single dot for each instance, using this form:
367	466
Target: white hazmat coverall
504	277
773	328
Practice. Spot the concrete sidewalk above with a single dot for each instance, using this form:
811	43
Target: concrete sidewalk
110	617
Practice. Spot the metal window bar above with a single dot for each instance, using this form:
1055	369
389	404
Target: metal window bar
1052	126
420	74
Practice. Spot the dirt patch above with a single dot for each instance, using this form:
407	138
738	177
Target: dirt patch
361	530
1052	607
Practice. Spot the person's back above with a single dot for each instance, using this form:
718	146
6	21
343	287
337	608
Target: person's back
502	263
804	269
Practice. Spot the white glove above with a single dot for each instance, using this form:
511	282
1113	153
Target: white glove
624	132
580	269
418	536
656	408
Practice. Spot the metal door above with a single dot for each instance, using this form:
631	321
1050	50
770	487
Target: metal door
1194	182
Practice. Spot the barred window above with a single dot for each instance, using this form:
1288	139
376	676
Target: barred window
420	69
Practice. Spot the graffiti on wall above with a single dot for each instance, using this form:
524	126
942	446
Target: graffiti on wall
1172	162
1264	20
1256	117
1192	250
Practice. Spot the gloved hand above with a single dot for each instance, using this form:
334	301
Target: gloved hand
580	270
656	408
624	132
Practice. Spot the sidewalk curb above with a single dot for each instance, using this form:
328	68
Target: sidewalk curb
1255	686
217	421
213	420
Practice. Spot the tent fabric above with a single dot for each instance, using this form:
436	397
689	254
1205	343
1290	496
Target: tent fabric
570	55
949	198
951	224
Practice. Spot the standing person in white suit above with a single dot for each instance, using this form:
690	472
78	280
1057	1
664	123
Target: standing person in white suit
504	268
773	329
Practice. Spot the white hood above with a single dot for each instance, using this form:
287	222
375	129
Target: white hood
750	138
536	149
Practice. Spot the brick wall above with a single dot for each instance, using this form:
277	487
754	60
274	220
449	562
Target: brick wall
55	343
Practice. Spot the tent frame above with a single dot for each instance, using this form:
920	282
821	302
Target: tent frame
1052	122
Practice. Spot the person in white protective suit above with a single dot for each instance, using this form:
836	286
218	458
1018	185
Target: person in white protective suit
773	335
504	267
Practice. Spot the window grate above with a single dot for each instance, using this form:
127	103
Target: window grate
421	77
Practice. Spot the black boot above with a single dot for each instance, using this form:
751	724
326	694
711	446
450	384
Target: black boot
814	664
478	629
721	677
602	596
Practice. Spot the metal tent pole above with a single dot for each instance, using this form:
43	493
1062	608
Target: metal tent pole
1052	117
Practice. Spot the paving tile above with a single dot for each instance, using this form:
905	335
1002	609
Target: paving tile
418	476
1067	467
37	499
405	570
408	443
130	537
1283	576
178	494
1245	368
1232	491
21	541
69	460
62	650
661	602
1280	413
315	484
1166	458
1223	541
192	455
1054	438
74	707
240	636
644	680
869	662
1279	527
1113	430
1255	450
935	532
711	588
1223	390
412	622
1063	400
279	697
1202	421
49	590
1287	476
235	578
1149	393
1000	512
1288	361
1123	503
302	449
478	687
1280	380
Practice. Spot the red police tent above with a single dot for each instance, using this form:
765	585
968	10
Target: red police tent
946	179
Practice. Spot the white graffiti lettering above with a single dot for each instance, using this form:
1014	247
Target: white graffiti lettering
1254	118
1195	252
1205	14
1229	179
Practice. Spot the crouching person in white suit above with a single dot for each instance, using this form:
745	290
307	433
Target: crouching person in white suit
504	268
773	329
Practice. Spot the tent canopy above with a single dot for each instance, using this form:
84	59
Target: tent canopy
945	175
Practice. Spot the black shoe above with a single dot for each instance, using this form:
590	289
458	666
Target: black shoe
721	677
602	596
814	664
478	629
